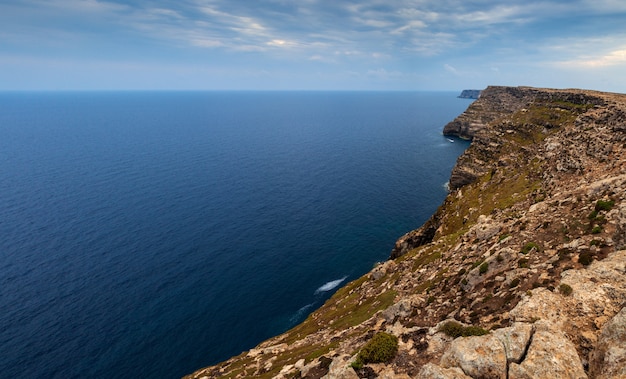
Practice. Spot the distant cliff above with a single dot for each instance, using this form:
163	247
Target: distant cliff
520	273
470	94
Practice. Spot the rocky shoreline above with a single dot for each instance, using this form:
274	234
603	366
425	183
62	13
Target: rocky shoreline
527	252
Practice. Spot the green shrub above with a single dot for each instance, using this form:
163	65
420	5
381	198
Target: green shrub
522	263
585	258
529	246
514	283
483	268
565	290
592	216
455	329
596	229
602	205
381	348
452	329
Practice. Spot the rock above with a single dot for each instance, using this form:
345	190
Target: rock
608	360
550	356
340	369
432	371
485	228
402	308
478	357
543	304
515	340
619	237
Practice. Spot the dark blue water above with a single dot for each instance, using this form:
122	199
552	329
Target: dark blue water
151	234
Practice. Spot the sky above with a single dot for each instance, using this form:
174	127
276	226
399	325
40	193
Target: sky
311	44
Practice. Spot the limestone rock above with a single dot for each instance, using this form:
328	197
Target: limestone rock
432	371
608	360
485	228
340	369
402	308
478	357
515	340
550	356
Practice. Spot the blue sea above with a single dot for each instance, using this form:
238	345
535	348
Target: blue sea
149	234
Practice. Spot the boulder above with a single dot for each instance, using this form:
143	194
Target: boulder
608	360
550	356
340	368
478	357
432	371
515	340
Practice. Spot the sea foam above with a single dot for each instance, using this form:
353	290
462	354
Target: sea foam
330	285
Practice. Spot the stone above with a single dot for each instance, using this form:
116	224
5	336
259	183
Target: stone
515	340
608	359
402	308
478	356
432	371
550	356
485	228
340	369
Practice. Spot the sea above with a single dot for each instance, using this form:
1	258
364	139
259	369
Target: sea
150	234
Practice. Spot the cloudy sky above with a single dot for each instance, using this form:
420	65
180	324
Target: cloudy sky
312	44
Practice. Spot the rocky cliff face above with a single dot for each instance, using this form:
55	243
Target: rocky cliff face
521	273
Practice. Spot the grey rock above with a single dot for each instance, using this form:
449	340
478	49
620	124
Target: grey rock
432	371
608	360
550	356
478	357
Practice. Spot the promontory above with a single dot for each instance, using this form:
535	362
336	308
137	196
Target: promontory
520	273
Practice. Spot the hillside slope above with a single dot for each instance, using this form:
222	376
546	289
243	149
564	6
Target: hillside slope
521	272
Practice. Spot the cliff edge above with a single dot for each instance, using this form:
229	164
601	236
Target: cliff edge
520	273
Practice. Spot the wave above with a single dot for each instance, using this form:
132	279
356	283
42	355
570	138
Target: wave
297	317
330	285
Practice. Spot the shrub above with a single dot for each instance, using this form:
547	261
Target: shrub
522	263
454	330
483	268
596	229
514	283
529	246
585	258
602	205
565	290
381	348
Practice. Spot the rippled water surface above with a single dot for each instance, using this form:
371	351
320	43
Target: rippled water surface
147	234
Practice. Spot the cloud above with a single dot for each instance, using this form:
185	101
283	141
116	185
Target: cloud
451	69
611	58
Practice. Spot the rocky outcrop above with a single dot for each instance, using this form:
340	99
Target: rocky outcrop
470	94
529	246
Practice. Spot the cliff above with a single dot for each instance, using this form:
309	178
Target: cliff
470	94
521	272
